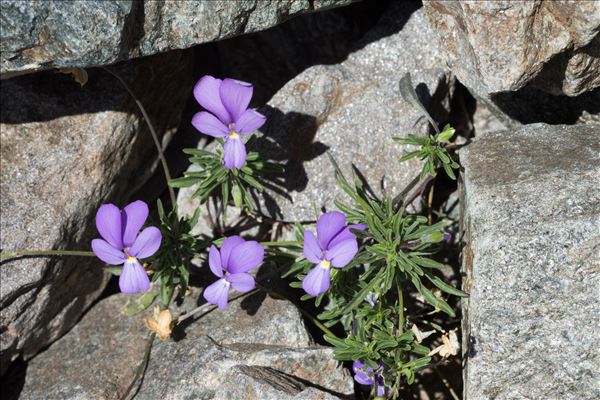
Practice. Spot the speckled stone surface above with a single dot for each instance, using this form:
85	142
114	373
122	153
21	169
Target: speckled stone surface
39	35
264	383
532	223
66	149
99	357
502	45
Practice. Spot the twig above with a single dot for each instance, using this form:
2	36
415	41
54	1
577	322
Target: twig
161	154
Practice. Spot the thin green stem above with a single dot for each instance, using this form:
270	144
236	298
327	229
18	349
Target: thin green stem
44	253
161	153
281	244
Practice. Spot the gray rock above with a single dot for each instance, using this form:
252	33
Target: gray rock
197	370
65	150
39	35
532	220
499	46
264	383
97	359
254	331
352	110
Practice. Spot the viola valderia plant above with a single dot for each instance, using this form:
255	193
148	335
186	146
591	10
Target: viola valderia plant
228	119
358	263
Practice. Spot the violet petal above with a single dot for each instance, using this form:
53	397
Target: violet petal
312	251
344	234
104	251
245	257
229	244
217	293
241	282
108	222
342	253
147	243
317	281
328	226
214	261
362	375
208	94
132	218
133	278
235	153
209	124
235	96
249	121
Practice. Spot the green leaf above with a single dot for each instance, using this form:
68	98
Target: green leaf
183	182
445	287
449	171
236	193
446	134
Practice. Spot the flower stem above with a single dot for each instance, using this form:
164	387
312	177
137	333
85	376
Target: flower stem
281	244
161	154
44	253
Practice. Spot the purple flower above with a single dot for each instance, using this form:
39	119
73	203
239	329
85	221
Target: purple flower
334	246
229	116
232	264
366	376
121	244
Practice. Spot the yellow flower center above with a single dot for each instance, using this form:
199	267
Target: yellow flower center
233	135
130	259
325	264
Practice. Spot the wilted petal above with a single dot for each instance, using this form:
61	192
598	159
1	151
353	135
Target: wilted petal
312	251
241	282
104	251
235	96
342	253
133	278
108	222
328	226
132	218
317	281
249	121
147	243
217	293
229	244
245	256
214	261
209	124
207	93
235	153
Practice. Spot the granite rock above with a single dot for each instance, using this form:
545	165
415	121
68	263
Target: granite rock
501	46
531	215
265	383
194	363
38	35
65	150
